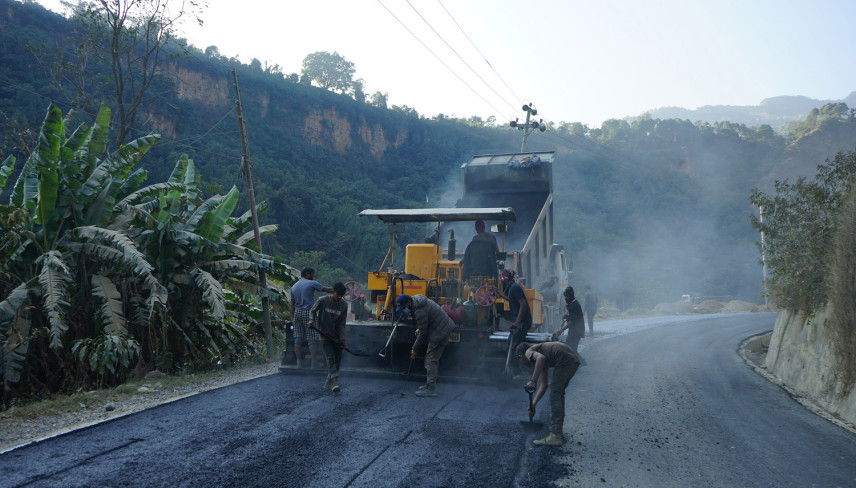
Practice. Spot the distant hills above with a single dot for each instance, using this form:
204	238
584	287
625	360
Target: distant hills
776	112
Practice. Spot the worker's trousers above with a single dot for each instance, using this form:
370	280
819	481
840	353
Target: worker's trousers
561	377
333	352
432	361
590	320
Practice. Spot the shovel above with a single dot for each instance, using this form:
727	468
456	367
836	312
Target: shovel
531	425
336	342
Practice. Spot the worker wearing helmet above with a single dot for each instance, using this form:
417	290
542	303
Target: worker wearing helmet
433	328
564	361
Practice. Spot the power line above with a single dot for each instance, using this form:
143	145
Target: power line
458	55
438	58
519	101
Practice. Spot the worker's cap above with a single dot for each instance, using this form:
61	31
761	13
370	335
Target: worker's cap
569	291
479	225
402	301
507	275
521	349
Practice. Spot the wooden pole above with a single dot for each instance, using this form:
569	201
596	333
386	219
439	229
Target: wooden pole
245	168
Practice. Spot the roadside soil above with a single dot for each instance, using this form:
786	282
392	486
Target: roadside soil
35	422
754	352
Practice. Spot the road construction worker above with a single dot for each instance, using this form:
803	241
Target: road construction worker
574	321
519	313
590	307
564	361
481	235
433	328
328	316
480	255
302	299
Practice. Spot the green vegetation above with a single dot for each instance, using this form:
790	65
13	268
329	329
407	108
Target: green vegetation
800	221
101	275
842	289
330	71
810	244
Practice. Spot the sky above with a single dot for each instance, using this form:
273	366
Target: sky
574	60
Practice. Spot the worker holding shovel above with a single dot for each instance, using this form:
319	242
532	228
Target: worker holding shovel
564	361
330	313
433	328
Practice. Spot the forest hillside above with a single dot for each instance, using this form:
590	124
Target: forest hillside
647	208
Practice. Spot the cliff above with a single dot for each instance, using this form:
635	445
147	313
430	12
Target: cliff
802	356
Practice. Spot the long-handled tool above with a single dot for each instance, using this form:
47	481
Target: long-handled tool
556	335
531	424
407	376
336	342
385	350
508	356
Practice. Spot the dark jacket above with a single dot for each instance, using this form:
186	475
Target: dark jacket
330	317
575	319
432	322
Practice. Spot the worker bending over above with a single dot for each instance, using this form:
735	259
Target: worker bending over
564	361
433	328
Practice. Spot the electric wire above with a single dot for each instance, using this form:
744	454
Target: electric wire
480	53
513	108
438	57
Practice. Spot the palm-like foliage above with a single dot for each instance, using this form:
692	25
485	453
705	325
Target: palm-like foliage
97	270
55	255
195	245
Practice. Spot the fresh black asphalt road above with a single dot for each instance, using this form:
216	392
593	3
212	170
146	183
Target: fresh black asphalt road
661	402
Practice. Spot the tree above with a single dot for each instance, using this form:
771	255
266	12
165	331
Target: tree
359	91
379	99
799	222
131	39
329	71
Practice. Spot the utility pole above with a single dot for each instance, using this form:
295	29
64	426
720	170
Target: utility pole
245	169
763	253
528	127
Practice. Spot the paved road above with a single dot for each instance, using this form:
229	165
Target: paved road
662	402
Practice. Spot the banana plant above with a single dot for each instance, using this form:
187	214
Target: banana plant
62	268
198	252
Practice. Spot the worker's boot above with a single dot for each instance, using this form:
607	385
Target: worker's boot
334	385
328	384
550	440
426	391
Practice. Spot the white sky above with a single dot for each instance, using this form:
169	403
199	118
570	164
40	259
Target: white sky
575	60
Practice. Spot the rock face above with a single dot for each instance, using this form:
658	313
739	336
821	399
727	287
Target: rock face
801	354
321	125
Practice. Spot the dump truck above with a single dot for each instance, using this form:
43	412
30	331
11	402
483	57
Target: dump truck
511	192
524	182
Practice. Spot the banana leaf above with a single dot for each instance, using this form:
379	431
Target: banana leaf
111	307
5	170
215	221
